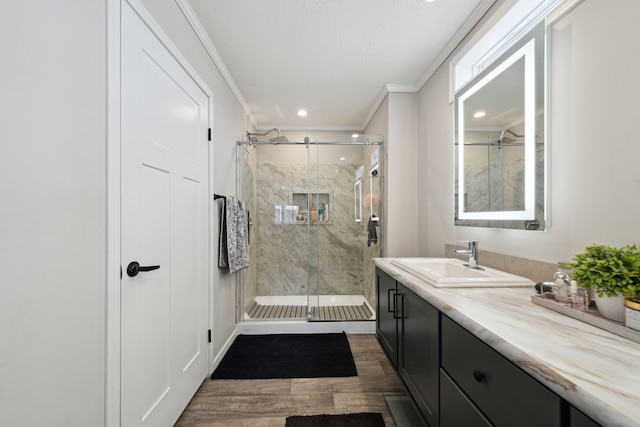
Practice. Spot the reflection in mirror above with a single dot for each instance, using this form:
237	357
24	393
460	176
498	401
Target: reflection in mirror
500	141
372	200
357	200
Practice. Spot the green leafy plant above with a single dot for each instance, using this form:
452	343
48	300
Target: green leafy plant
609	270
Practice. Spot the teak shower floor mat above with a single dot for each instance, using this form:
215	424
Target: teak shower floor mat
364	419
287	356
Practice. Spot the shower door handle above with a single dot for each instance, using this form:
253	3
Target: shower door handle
134	268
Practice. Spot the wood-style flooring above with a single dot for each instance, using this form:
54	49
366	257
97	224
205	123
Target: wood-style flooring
267	403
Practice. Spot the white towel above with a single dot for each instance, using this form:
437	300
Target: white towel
235	233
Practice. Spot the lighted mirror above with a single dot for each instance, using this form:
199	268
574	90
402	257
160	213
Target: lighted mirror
499	129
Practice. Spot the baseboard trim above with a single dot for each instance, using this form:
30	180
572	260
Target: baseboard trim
304	327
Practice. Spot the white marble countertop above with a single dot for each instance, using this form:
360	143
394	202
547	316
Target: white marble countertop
594	370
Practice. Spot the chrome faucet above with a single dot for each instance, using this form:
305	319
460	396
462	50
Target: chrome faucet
472	251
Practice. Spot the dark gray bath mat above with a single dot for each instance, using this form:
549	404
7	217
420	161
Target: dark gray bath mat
287	356
364	419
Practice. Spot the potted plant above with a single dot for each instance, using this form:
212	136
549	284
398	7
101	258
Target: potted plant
613	274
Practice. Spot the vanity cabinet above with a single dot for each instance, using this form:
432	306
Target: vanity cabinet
501	391
456	409
386	322
419	351
453	377
578	419
408	330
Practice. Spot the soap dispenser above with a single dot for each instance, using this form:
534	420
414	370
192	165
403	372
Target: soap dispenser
561	288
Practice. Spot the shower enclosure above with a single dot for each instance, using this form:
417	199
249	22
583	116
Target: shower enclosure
315	225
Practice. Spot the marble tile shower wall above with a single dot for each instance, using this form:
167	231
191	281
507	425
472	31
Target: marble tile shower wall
282	258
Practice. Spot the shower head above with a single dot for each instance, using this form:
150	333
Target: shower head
511	132
279	139
504	140
252	136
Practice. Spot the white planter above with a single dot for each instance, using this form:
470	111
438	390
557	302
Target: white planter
611	307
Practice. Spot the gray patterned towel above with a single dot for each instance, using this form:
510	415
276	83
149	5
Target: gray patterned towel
234	233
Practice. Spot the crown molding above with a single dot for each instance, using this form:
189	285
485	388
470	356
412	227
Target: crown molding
342	128
401	88
462	32
201	33
453	43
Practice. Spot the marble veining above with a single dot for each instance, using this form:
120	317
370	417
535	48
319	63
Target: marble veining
594	370
335	245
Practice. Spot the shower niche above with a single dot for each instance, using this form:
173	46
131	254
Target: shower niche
312	207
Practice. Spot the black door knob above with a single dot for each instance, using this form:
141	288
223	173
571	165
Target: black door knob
134	268
478	375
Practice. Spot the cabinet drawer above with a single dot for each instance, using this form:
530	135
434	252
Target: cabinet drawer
578	419
501	390
456	410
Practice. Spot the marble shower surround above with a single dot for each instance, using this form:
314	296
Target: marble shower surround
282	255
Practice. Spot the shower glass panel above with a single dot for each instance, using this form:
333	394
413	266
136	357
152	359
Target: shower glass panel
316	181
309	257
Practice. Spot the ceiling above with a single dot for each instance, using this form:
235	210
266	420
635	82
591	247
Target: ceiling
336	59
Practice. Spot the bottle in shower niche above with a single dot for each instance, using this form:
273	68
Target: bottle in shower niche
314	214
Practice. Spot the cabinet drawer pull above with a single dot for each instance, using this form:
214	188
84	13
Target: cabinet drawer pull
390	308
397	314
479	376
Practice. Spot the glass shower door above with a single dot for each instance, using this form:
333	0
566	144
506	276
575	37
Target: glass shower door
339	261
313	230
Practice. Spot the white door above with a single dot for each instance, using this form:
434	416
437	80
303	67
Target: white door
164	222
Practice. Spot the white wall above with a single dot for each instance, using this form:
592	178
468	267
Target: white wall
53	216
396	119
595	179
436	156
52	219
402	167
230	125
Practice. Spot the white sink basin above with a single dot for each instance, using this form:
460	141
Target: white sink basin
452	273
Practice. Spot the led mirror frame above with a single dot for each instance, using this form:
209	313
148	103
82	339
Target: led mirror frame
528	52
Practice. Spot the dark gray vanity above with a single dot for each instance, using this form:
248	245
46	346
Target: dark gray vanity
409	330
454	378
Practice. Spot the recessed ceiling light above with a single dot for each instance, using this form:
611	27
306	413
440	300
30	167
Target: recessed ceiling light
342	158
302	113
479	114
429	1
